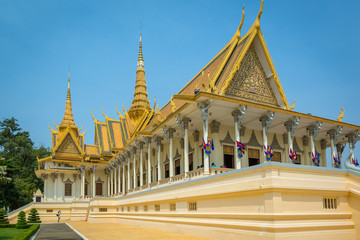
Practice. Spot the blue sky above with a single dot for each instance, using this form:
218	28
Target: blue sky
314	46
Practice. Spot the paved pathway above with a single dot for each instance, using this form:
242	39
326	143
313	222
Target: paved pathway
56	231
111	231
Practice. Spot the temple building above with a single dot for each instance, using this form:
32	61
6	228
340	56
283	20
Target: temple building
226	157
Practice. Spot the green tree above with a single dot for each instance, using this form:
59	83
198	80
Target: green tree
34	216
21	222
3	178
3	217
20	155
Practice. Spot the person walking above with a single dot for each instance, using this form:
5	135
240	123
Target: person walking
58	215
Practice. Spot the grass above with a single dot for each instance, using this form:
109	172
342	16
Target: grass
9	233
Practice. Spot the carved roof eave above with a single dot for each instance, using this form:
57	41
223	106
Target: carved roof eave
206	95
68	131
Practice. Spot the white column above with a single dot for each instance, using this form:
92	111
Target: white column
141	144
112	181
171	154
266	121
148	142
93	181
186	145
115	178
119	177
55	177
238	115
107	171
313	131
291	126
123	176
204	107
158	150
128	172
134	167
334	134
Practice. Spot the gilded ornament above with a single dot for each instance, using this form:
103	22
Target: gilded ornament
341	115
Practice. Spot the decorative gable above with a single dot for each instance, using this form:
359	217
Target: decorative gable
68	146
250	81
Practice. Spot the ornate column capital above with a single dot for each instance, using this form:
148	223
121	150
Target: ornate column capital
54	176
139	145
196	135
266	120
214	126
353	138
314	129
204	108
291	125
44	176
147	140
335	133
239	113
81	168
183	123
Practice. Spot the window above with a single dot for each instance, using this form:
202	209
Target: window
330	203
254	156
192	206
157	208
276	157
167	170
49	210
298	159
136	208
177	166
228	156
98	189
191	162
38	199
68	189
102	209
172	206
146	208
86	189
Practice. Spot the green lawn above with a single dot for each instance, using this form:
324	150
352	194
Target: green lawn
9	233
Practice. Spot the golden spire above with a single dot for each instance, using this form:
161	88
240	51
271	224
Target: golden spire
140	51
68	120
140	103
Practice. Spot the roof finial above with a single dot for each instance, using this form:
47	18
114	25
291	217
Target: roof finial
140	59
257	22
242	20
68	119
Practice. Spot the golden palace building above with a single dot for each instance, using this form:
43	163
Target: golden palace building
225	158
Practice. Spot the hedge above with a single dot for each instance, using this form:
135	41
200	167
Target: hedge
7	225
27	234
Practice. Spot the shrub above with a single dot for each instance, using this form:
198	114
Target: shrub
3	217
26	235
34	216
21	222
7	225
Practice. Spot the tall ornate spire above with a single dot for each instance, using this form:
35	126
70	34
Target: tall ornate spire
68	119
140	103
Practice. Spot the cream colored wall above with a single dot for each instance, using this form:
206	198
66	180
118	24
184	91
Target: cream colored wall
278	202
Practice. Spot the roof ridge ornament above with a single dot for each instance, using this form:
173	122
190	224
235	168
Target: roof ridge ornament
242	21
257	21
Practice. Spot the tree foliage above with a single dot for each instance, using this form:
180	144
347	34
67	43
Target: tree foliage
21	222
34	216
3	217
20	155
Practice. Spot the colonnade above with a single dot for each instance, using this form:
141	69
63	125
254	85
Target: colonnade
119	171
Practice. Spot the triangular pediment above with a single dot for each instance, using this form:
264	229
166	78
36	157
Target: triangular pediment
250	81
68	146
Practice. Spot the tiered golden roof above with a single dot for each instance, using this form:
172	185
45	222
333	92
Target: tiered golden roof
68	119
140	104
